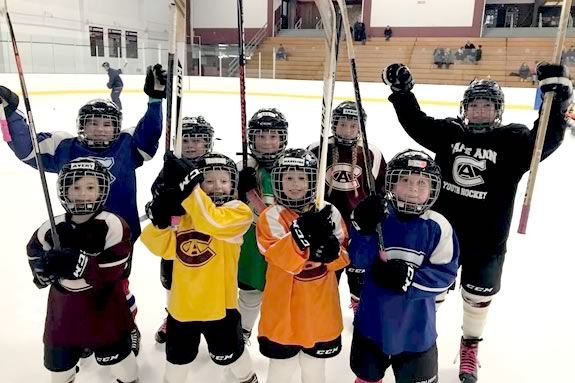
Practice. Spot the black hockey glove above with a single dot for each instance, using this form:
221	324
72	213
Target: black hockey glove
9	100
368	213
180	174
327	252
247	181
155	85
41	277
398	77
394	274
164	206
312	228
555	78
67	263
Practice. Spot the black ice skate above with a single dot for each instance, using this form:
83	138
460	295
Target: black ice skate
468	363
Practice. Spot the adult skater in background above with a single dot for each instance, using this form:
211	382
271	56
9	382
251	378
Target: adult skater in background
115	83
481	161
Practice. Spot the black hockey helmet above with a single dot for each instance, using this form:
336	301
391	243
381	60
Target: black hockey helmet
346	110
264	120
483	90
197	128
217	161
75	202
407	163
295	159
99	109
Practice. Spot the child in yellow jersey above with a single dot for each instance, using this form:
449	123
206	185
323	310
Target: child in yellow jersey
301	319
205	247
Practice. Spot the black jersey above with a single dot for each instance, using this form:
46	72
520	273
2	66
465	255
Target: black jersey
480	171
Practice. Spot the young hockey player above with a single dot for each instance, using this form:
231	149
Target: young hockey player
86	303
395	322
205	248
100	136
346	182
197	140
482	161
267	140
301	319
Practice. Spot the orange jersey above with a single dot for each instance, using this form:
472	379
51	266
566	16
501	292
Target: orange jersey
300	303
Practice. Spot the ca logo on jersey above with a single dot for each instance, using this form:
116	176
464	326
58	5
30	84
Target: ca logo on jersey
193	248
341	176
467	171
312	271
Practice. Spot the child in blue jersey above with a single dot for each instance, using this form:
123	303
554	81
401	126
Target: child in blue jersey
395	321
99	136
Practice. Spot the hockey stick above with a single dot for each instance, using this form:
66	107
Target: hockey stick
328	17
543	120
32	129
252	195
365	146
242	63
170	79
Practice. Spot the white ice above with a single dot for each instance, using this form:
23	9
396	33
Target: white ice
528	338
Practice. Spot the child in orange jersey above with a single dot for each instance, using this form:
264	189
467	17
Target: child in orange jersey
301	319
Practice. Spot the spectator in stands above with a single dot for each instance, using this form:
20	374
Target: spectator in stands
359	33
478	53
460	54
281	53
443	57
387	33
469	45
533	70
524	72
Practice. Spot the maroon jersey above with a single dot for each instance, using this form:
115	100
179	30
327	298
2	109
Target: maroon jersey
349	186
91	311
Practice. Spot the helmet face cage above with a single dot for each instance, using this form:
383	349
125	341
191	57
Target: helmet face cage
483	90
410	163
267	157
214	161
198	127
295	160
266	120
347	110
102	111
75	171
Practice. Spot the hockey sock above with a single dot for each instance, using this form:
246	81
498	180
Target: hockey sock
312	368
250	302
281	370
243	367
475	309
176	373
126	370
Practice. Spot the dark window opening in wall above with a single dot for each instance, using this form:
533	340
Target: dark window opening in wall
96	41
131	45
115	42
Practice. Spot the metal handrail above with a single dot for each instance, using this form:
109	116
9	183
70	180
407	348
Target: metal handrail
298	23
250	49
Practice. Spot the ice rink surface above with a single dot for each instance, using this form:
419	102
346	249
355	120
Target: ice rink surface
528	337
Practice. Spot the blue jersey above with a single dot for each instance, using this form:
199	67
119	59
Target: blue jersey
128	152
405	322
